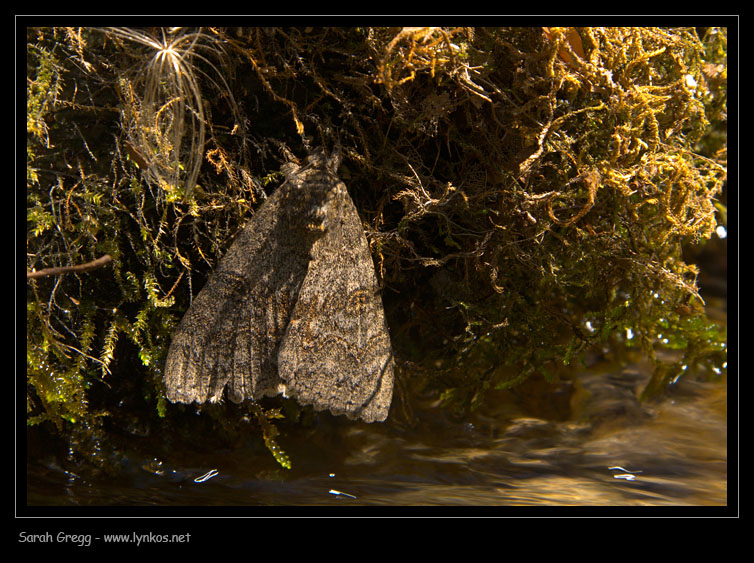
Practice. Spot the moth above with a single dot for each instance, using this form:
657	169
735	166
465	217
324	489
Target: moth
293	308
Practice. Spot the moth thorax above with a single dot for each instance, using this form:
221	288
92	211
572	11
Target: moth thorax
316	219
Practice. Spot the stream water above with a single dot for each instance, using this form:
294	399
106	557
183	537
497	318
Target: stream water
610	451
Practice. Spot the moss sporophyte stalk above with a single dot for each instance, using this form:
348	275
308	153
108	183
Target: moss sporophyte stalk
527	195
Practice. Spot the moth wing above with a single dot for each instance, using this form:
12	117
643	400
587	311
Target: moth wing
231	333
336	352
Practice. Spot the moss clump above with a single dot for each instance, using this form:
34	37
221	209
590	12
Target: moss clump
527	192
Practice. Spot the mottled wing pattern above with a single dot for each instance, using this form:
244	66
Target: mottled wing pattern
336	352
231	333
293	308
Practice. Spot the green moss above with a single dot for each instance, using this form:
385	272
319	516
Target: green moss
270	433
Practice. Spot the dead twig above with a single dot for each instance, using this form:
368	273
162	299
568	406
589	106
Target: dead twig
98	263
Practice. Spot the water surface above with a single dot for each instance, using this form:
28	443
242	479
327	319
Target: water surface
611	450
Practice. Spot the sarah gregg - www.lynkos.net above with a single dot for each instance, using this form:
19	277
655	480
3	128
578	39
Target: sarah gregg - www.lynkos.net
85	540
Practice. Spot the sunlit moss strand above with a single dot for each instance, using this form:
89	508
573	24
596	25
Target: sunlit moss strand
269	433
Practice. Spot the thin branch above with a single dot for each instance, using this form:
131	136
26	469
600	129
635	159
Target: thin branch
98	263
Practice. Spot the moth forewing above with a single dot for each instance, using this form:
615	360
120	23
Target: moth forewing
293	307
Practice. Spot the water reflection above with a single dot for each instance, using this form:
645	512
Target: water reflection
674	450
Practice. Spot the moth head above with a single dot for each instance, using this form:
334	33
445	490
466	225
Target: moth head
319	159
